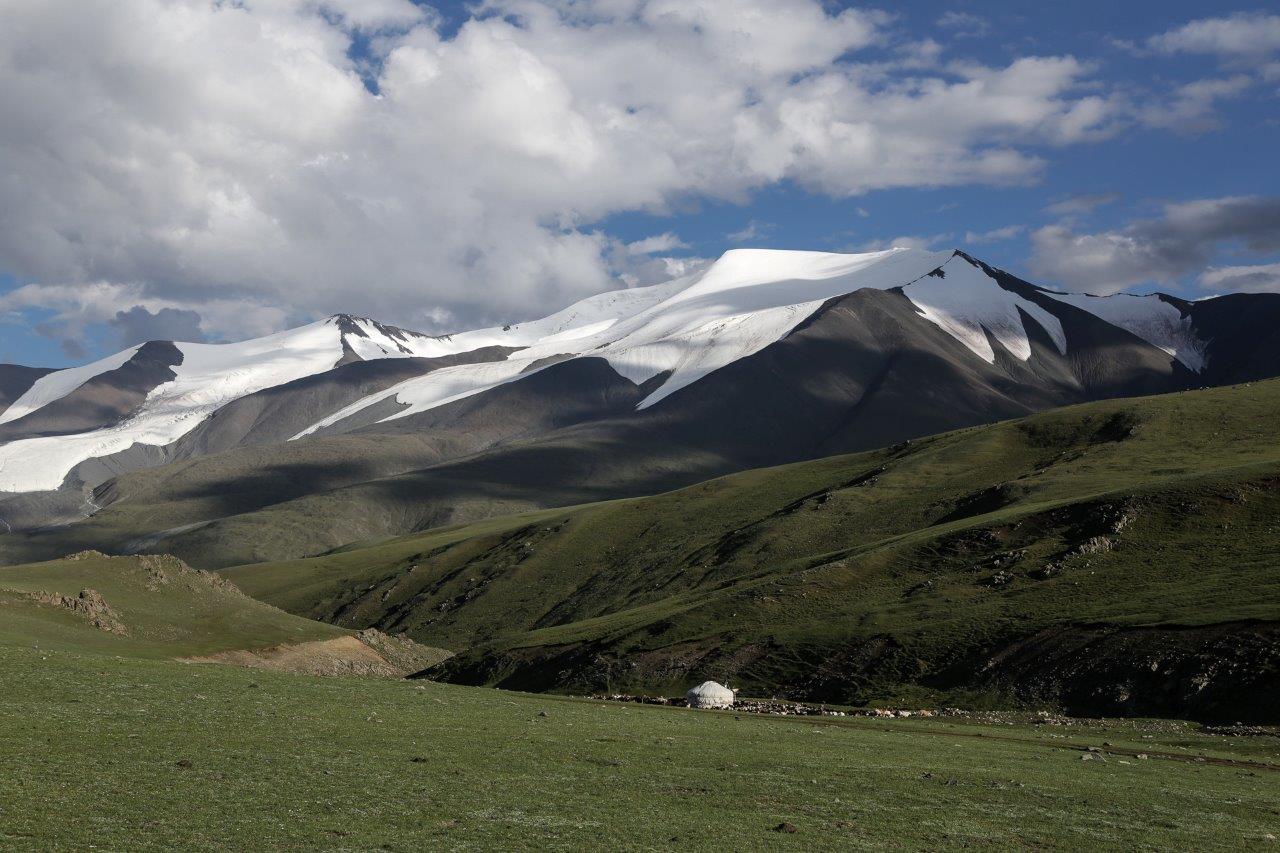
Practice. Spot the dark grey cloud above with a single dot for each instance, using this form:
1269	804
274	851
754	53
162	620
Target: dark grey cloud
70	345
1180	242
138	325
73	349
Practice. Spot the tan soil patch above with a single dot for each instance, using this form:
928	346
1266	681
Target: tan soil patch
336	657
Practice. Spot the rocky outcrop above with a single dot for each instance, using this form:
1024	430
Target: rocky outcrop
402	653
89	603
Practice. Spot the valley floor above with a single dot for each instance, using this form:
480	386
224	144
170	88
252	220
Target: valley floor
114	753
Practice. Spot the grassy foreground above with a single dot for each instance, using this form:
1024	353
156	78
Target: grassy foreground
120	753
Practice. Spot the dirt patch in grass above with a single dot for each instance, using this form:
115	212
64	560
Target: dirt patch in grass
370	653
337	657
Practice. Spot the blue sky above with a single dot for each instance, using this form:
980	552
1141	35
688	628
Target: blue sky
1143	168
442	168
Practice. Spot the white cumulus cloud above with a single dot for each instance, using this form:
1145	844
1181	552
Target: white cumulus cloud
1243	34
233	159
995	235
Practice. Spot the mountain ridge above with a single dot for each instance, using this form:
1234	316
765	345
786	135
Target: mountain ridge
764	358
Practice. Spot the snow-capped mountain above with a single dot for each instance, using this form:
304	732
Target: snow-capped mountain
685	329
183	384
763	357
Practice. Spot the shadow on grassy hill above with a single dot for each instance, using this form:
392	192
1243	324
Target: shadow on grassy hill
892	572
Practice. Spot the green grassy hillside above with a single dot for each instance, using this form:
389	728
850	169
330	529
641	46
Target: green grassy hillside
139	606
1033	560
129	754
158	607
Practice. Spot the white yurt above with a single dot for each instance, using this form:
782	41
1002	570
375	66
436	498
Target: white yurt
709	694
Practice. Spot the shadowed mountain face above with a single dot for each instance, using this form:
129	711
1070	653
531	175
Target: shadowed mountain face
101	401
378	448
15	379
1243	330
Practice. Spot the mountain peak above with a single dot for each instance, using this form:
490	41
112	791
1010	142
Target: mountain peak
661	339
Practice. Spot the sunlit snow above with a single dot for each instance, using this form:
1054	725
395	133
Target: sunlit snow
966	303
681	331
1151	318
210	376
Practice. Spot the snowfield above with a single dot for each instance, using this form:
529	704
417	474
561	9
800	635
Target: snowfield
964	301
688	327
1155	320
210	376
684	329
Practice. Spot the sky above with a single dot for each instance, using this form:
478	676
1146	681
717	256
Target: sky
221	169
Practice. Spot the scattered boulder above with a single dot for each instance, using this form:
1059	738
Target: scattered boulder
1046	571
1094	545
642	699
924	586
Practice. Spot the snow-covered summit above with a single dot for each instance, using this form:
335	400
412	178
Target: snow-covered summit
749	298
670	335
685	328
